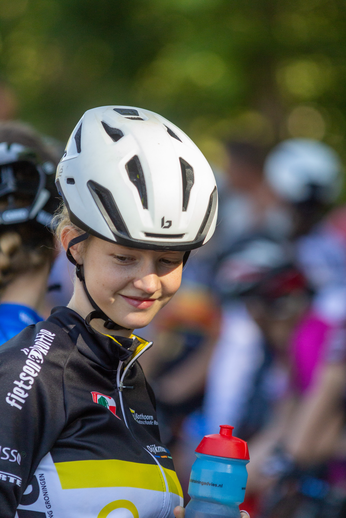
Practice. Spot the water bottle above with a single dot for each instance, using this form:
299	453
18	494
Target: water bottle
218	476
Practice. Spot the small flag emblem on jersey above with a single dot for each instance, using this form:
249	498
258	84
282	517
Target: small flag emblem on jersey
106	401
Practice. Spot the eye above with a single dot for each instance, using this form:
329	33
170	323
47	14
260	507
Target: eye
172	261
123	259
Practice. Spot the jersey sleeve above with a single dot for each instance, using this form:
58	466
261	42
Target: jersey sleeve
31	408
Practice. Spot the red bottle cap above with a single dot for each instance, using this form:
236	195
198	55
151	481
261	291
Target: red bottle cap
223	444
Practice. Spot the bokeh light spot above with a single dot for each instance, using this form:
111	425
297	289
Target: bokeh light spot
205	68
306	121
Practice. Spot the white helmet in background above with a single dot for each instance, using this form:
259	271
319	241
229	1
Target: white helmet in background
130	176
302	170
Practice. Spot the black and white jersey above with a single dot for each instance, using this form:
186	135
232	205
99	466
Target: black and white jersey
79	436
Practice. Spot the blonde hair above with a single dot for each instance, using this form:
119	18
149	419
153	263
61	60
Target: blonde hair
61	220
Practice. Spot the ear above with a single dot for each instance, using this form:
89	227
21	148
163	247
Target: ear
67	234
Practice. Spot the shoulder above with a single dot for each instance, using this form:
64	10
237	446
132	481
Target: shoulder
37	343
33	362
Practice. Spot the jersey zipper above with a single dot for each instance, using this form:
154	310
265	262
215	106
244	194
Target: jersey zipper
121	387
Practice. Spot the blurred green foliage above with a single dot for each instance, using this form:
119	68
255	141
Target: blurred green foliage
261	69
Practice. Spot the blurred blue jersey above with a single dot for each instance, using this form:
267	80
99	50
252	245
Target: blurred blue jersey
14	318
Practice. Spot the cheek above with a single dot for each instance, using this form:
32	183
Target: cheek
172	282
104	277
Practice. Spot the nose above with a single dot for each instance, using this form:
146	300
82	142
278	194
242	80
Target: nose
147	279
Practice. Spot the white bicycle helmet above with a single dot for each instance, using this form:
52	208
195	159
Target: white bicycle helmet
130	176
300	170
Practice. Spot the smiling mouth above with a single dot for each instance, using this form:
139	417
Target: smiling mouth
139	303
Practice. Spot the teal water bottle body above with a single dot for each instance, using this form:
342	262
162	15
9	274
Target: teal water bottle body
203	509
218	476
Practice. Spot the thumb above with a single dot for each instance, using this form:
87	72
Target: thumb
179	512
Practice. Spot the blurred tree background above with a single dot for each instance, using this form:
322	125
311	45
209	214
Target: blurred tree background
260	69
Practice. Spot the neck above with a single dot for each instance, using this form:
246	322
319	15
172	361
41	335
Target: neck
28	289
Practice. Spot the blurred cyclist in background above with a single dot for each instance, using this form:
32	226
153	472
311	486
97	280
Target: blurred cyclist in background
260	272
28	199
307	175
299	456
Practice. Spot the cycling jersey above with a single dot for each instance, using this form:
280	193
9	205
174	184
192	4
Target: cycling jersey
14	318
79	436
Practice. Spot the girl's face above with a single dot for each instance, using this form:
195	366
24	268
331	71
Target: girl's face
128	284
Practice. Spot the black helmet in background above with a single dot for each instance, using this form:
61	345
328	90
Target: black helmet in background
258	265
27	174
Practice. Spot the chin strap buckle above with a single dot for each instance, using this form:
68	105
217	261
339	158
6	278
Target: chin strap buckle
109	324
123	387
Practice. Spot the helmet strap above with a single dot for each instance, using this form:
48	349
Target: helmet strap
186	256
98	313
74	241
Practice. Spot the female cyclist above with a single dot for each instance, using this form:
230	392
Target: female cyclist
28	200
79	435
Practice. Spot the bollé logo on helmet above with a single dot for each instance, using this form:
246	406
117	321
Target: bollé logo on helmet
166	224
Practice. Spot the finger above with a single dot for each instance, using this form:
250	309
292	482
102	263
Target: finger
244	514
179	512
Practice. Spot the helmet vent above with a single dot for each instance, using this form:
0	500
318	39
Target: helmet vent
78	137
164	236
127	111
135	173
172	134
114	133
188	178
209	215
70	181
108	208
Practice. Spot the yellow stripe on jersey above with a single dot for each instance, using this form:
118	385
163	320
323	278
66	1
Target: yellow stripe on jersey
115	473
173	482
